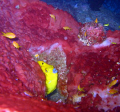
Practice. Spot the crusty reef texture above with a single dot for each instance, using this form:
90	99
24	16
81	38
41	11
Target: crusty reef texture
88	66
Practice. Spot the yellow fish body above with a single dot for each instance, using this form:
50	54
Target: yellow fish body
114	43
106	24
113	91
80	89
16	45
44	65
9	35
66	28
113	83
51	76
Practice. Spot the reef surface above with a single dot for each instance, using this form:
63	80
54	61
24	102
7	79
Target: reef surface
86	56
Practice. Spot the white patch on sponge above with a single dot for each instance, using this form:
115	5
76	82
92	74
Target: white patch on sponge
34	50
54	46
107	42
77	98
40	49
108	101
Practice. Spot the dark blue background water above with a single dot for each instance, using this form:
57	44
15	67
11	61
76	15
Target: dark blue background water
107	11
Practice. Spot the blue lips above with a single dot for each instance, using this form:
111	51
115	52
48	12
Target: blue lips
54	70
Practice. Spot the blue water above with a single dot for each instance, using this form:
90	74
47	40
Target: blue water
107	11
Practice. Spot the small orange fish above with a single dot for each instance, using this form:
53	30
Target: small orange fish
114	43
52	16
106	25
85	34
80	89
113	91
96	20
9	35
112	83
66	28
36	55
27	93
78	35
16	45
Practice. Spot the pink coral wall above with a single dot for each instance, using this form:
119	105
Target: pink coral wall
36	32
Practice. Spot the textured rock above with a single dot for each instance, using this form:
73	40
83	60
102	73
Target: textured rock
83	71
21	104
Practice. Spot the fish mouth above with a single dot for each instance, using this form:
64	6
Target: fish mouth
54	70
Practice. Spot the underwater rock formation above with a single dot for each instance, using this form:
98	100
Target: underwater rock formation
84	71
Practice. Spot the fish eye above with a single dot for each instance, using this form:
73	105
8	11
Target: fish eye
42	63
